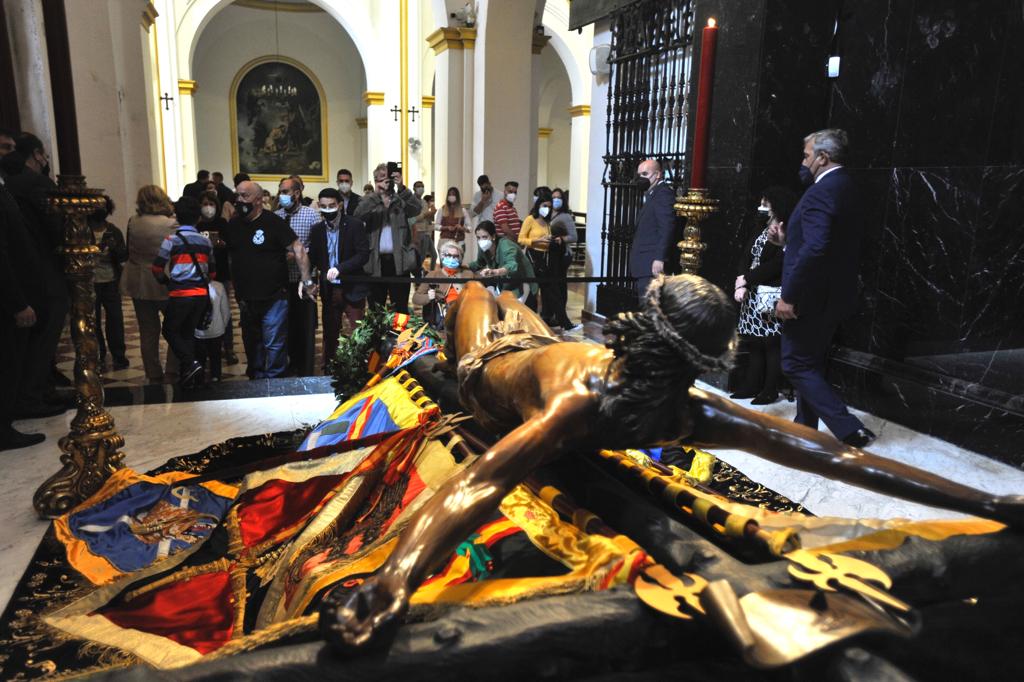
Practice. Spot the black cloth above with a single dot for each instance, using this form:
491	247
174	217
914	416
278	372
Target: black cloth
301	333
194	189
258	251
655	233
180	321
224	195
117	248
769	271
208	353
353	202
353	253
398	293
31	191
21	279
108	299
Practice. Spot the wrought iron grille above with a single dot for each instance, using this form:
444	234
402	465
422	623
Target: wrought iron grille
647	105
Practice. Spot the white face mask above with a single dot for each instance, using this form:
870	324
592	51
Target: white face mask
209	211
510	197
344	187
544	210
485	244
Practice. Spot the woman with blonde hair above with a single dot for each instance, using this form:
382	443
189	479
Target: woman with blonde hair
154	220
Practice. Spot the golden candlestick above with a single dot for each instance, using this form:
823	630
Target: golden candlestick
696	206
90	452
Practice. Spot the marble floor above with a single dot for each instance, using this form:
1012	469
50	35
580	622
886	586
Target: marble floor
155	432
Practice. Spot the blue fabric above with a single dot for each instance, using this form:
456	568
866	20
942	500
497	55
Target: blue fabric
332	248
339	429
113	528
266	324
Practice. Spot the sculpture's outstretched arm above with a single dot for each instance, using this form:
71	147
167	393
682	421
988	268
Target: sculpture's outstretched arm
721	423
460	506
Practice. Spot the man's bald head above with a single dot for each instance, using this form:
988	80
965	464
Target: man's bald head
250	192
650	169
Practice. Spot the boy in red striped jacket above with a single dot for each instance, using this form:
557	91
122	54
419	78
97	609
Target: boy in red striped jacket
185	264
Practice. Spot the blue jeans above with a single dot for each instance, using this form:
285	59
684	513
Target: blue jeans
264	326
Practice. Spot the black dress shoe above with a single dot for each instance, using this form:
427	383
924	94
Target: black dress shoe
120	363
861	438
742	395
765	399
15	439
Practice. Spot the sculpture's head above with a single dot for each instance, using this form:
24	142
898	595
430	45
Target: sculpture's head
686	326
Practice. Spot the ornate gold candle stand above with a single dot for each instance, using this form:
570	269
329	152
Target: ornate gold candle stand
90	452
696	206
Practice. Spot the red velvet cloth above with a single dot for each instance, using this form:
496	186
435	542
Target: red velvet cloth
197	613
277	505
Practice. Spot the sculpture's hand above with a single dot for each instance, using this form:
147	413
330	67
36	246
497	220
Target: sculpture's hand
357	624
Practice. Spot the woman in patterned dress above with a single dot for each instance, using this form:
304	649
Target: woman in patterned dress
759	329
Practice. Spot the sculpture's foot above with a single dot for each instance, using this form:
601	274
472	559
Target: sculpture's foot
366	619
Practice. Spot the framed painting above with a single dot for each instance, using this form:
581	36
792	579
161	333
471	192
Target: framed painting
278	121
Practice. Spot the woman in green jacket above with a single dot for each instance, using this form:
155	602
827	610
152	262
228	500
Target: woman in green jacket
500	257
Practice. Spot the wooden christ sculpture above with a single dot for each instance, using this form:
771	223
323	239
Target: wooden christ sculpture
552	397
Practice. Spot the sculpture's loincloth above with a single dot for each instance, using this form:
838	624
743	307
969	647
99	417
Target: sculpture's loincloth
507	336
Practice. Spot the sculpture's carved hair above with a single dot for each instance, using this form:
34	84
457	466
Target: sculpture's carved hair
686	326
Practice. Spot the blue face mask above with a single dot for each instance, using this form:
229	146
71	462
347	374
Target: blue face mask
285	200
556	203
450	262
806	176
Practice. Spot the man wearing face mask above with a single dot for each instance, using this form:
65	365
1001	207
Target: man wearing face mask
338	247
819	283
301	309
258	242
506	219
349	199
655	225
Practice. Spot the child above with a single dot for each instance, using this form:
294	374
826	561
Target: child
210	340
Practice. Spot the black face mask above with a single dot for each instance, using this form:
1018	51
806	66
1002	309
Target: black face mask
243	208
642	183
806	176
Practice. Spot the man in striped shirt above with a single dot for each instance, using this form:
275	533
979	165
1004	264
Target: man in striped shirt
185	264
505	217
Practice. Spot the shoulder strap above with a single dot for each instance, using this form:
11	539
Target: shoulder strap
192	255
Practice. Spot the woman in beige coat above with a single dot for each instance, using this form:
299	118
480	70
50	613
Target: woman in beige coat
146	230
434	298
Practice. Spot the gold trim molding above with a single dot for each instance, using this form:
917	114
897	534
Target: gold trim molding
372	98
361	123
278	6
186	87
539	42
149	15
428	102
579	110
448	38
544	133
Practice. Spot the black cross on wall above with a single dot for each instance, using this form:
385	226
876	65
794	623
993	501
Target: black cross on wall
167	99
396	111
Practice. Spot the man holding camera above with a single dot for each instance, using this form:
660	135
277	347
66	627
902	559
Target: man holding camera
484	201
386	213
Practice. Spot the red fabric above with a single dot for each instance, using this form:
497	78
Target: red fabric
178	293
505	213
277	505
197	613
187	258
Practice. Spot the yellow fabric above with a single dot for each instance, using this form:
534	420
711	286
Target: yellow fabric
533	229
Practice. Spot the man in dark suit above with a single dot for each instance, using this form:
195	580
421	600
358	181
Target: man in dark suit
194	189
819	283
655	225
338	246
29	182
349	199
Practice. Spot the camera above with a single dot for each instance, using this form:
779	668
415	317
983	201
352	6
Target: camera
393	167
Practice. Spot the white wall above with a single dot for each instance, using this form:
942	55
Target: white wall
595	196
558	144
236	36
110	98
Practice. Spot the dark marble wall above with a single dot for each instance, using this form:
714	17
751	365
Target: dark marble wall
931	93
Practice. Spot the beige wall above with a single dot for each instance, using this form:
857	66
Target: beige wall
558	144
105	39
236	36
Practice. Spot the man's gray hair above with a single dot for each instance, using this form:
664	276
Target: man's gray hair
832	141
381	168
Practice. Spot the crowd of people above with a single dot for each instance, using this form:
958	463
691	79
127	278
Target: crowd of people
293	264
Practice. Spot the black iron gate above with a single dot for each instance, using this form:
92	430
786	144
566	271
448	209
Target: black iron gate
647	105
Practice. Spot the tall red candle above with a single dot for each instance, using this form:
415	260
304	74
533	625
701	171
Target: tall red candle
703	122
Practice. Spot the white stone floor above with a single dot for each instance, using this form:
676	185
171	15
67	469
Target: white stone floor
154	433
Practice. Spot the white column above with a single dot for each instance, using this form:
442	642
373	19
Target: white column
32	72
427	138
579	154
543	142
381	134
364	151
449	83
413	88
536	80
502	75
467	180
186	110
170	111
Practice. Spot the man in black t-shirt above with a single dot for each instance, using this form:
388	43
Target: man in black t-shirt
258	242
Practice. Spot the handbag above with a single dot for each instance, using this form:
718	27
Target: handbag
206	319
764	299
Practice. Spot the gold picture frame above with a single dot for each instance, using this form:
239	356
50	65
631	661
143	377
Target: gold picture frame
259	162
